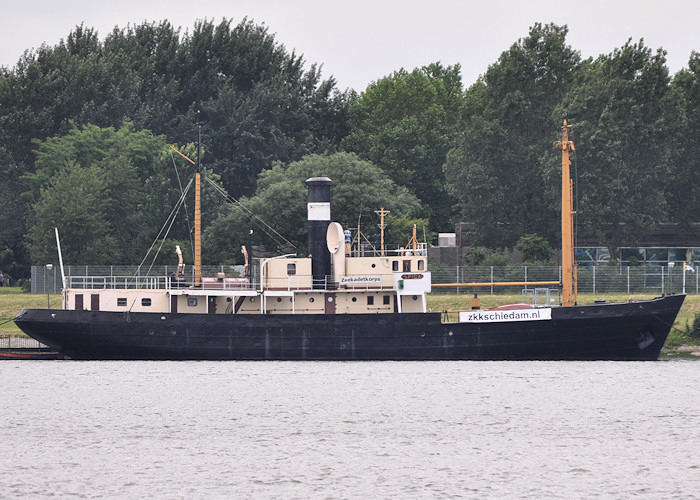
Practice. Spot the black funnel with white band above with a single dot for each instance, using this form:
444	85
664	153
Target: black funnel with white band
319	217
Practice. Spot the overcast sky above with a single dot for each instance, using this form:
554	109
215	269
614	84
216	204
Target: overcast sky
360	41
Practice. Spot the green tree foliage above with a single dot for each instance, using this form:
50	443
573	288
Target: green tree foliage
12	250
535	249
683	186
624	115
359	188
123	180
495	171
74	200
405	125
260	103
399	231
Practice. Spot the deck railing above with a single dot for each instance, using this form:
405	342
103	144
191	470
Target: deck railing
591	279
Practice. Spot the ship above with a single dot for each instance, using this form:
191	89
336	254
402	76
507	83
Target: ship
339	303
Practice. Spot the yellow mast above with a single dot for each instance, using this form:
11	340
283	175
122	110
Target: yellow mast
198	215
568	271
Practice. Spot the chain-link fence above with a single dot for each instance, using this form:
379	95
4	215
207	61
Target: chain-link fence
591	279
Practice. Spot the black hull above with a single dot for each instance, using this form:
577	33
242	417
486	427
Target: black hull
633	331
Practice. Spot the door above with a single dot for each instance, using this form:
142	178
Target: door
95	302
330	303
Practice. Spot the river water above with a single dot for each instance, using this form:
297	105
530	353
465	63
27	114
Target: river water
349	429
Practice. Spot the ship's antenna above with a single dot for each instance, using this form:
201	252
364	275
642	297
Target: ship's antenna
382	213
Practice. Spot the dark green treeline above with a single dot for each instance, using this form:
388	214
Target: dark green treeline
85	127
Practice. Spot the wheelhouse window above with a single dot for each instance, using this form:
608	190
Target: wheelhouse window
291	269
407	266
387	300
395	265
370	300
421	265
121	301
146	302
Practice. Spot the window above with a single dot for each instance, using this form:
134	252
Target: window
192	301
121	301
395	265
387	300
291	269
407	266
145	302
421	265
370	300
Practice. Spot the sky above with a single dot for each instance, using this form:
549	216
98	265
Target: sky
360	41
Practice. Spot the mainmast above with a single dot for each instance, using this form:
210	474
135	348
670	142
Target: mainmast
568	270
198	213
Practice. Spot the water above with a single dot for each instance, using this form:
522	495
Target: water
349	430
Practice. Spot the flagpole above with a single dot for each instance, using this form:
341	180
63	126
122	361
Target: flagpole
685	266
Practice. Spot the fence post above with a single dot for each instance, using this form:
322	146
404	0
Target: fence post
594	268
491	280
525	277
628	279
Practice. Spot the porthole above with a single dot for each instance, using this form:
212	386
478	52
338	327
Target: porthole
422	334
173	332
311	299
415	297
252	299
450	333
330	299
374	265
354	299
279	299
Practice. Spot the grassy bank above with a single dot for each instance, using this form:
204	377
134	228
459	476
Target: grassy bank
12	300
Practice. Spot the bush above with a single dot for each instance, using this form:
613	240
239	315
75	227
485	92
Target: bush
694	330
535	249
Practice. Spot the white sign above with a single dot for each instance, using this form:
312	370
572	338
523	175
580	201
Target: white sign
505	315
364	279
319	211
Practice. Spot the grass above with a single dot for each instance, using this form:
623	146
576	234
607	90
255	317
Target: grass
13	299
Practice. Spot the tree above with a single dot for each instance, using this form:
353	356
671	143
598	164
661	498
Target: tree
624	116
129	189
683	186
497	168
359	188
535	248
405	125
259	103
75	202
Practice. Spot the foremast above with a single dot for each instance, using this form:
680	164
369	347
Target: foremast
198	214
568	269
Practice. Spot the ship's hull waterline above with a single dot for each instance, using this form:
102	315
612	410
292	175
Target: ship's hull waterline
633	331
